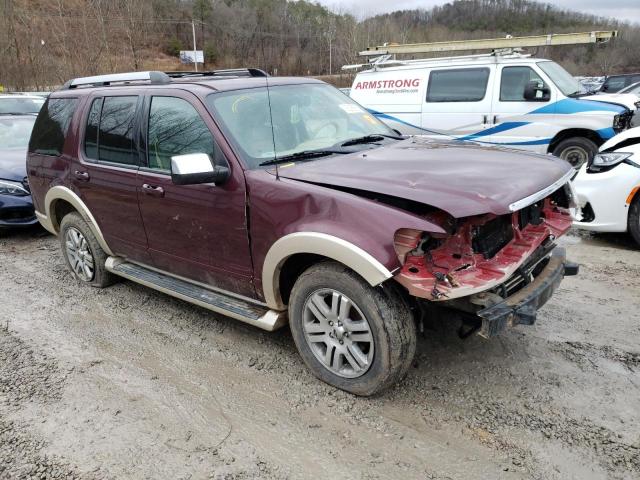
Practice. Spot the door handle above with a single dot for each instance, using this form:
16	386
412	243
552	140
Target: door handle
495	119
153	190
84	176
485	119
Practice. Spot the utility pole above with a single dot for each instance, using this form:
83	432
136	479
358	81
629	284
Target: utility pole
195	59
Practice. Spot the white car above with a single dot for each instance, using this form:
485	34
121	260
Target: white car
19	104
608	189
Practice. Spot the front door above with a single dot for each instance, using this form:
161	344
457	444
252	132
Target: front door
513	124
195	231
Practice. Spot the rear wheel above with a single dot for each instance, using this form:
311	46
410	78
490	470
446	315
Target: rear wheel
350	335
576	150
82	252
634	219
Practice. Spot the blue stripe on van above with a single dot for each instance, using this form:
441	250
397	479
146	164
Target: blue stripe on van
568	106
503	127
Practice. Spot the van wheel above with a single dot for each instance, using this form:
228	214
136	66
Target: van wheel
352	336
576	150
82	252
634	219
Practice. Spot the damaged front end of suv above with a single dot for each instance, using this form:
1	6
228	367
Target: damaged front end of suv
495	270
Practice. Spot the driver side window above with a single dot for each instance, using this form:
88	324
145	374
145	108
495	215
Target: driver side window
176	128
513	82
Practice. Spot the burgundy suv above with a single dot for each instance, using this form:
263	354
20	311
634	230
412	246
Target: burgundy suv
275	200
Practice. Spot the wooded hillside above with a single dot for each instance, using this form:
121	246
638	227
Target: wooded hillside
45	42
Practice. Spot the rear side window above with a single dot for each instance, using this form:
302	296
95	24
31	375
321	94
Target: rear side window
176	128
458	85
51	126
109	136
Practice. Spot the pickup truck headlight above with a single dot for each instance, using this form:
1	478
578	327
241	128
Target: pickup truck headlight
8	187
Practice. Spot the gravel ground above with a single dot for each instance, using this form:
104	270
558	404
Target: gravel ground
128	383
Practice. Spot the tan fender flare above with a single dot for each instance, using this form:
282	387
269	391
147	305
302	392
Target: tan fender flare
52	224
328	246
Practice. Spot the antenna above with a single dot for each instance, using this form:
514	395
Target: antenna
273	135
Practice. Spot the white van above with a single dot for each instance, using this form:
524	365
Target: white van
510	100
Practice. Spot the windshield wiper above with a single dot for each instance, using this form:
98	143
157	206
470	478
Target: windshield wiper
579	93
369	139
305	154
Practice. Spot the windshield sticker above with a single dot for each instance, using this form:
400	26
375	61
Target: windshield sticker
350	108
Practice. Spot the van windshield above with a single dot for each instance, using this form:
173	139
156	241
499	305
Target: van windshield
567	84
291	119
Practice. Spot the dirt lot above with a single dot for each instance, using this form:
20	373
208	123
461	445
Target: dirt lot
128	383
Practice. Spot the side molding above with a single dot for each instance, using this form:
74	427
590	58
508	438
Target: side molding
52	224
329	246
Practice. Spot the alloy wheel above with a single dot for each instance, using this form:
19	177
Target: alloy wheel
338	333
79	254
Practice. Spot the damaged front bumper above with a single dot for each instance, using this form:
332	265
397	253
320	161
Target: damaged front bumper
522	306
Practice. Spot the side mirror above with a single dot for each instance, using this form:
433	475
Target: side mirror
535	91
196	168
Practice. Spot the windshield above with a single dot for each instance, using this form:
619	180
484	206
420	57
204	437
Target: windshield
15	132
634	88
305	117
567	84
18	105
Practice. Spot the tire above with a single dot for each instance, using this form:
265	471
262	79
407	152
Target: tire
576	150
387	349
633	221
73	229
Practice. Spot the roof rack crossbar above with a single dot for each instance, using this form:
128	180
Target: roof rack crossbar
389	61
228	72
152	77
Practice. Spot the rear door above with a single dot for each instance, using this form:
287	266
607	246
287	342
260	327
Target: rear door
105	174
195	231
457	103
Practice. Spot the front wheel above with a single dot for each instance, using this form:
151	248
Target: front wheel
576	150
352	336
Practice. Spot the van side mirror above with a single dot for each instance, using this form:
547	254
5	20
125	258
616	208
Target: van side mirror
535	91
196	168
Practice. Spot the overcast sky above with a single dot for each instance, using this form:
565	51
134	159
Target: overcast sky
628	10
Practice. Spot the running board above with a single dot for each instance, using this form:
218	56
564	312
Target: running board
261	317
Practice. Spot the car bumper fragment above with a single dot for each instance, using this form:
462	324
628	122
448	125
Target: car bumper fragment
522	307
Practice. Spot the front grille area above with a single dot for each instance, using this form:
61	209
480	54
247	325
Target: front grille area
493	236
531	215
17	214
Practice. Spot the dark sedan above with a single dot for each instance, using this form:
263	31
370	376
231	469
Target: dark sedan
16	207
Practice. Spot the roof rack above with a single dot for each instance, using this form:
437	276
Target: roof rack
494	43
508	47
229	72
157	78
390	61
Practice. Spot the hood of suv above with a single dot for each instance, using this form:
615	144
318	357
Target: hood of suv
13	163
462	179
